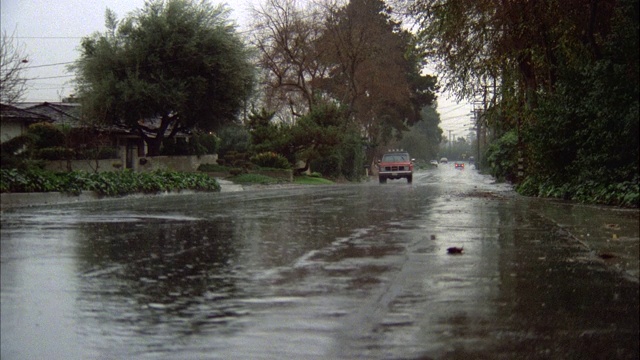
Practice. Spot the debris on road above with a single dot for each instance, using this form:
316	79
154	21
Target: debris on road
455	250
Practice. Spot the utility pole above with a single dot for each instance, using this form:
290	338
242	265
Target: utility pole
477	116
450	157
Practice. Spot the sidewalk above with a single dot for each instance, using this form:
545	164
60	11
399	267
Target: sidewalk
612	235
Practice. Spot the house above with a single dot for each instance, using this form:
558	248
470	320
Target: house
15	121
126	145
17	118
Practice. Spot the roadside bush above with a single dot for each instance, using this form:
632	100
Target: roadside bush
270	160
106	183
236	160
352	156
32	180
501	157
626	193
13	152
17	144
235	171
330	166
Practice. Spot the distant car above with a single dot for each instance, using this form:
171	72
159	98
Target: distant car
459	165
434	163
395	165
444	160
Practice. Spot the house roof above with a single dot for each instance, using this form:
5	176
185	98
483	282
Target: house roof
71	114
59	113
10	113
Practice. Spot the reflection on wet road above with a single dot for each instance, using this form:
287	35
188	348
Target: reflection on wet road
338	272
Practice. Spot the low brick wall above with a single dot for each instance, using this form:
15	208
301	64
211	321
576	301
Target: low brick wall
85	165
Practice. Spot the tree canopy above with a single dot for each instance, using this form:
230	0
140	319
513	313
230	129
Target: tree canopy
560	75
376	69
353	54
171	66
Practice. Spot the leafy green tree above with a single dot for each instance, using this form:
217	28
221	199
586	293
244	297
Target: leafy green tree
354	54
317	133
233	138
268	135
172	66
562	76
323	140
422	140
502	157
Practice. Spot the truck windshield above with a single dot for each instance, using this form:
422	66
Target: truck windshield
394	158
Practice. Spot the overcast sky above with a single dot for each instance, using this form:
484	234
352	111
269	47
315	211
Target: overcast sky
50	33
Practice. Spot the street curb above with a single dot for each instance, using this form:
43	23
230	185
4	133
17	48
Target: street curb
11	200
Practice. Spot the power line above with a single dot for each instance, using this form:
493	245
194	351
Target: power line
49	65
454	109
50	77
48	37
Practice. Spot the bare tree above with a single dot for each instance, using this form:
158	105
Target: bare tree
13	61
285	36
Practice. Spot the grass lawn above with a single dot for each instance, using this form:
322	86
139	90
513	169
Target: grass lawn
311	180
248	179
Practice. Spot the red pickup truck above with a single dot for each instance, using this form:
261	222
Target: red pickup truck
395	165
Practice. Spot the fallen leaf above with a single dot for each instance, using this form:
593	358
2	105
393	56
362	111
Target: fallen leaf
612	226
455	250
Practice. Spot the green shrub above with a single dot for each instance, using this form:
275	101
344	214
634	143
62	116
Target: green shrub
212	168
236	160
626	193
236	171
46	135
271	160
106	183
17	144
501	156
204	144
54	153
330	165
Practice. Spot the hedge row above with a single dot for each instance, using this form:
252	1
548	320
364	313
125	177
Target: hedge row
106	183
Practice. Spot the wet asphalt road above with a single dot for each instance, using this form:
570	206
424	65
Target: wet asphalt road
355	271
